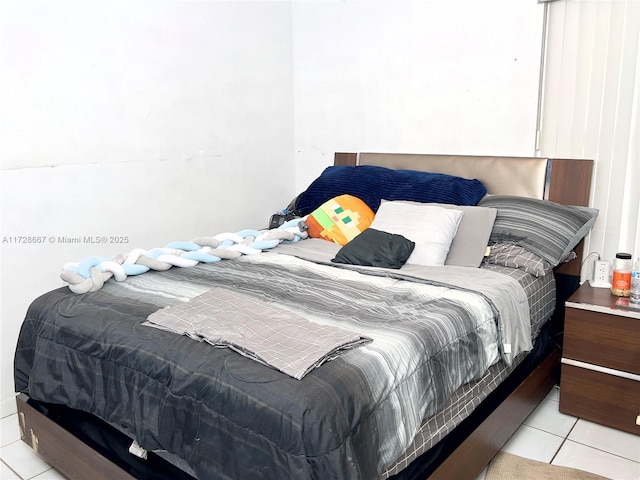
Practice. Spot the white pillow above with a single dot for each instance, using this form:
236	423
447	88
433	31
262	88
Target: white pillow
431	228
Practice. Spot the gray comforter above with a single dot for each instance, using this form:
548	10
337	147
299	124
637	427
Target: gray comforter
231	417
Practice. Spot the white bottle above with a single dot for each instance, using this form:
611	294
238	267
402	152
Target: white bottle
634	292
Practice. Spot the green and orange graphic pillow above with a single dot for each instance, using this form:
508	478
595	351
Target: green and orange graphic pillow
340	219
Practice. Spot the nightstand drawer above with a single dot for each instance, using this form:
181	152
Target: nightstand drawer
602	339
600	397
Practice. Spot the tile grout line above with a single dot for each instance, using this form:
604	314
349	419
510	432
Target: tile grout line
564	441
603	451
564	438
10	469
11	443
567	439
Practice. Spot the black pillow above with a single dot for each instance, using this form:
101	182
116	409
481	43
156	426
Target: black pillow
374	248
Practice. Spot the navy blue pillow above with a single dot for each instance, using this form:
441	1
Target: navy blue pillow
372	184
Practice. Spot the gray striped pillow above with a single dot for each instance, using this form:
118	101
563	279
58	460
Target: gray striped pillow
548	229
515	256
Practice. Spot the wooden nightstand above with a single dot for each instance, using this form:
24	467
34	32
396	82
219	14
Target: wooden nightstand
600	376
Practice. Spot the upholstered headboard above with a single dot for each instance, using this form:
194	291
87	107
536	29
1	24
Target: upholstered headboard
524	177
565	181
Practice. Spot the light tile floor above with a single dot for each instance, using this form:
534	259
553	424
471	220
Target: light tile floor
553	437
547	436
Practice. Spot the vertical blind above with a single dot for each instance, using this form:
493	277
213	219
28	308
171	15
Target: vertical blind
591	108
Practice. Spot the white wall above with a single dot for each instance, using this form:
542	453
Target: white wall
414	76
155	121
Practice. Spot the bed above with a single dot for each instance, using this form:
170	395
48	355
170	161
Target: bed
103	393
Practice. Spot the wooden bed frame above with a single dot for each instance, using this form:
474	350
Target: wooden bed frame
567	181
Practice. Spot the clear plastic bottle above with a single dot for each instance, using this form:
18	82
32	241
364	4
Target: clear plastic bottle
634	291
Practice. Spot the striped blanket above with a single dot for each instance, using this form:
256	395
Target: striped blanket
232	417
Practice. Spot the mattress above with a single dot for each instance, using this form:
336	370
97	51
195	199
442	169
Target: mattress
153	384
